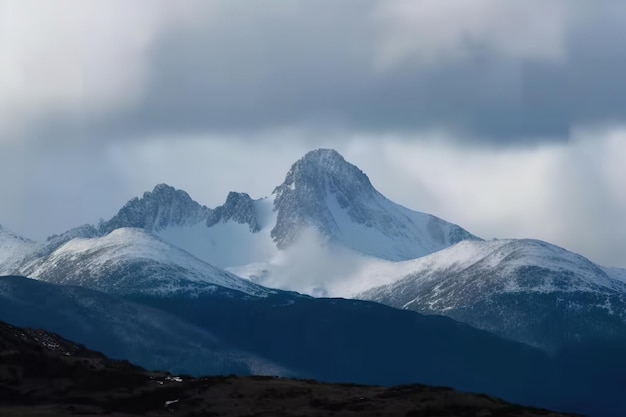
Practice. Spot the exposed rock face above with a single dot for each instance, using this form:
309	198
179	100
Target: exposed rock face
85	231
165	206
301	199
325	192
239	207
321	191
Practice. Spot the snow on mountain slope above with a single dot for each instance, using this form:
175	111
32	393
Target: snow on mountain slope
14	250
227	242
615	273
528	290
234	233
311	265
332	226
325	221
163	207
320	268
504	259
321	193
324	192
130	260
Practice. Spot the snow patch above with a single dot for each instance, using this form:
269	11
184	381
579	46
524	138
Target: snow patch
227	244
616	273
14	250
488	267
92	257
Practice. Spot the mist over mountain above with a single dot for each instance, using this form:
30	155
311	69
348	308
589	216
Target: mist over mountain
321	192
324	231
235	274
324	191
324	206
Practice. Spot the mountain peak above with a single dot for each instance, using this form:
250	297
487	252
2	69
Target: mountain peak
302	198
166	190
324	191
9	234
162	187
323	155
325	169
162	207
239	207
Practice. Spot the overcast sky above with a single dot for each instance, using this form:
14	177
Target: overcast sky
507	117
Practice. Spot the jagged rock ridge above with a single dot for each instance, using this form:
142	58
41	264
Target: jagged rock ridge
239	207
164	207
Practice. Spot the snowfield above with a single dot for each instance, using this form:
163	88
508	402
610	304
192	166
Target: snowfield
120	258
495	264
14	250
227	244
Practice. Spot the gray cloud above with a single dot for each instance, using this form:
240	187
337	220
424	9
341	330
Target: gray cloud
313	65
596	66
51	189
205	95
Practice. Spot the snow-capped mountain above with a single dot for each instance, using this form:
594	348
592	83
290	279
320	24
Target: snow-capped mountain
325	192
526	290
14	250
124	261
227	235
321	192
327	231
131	260
163	207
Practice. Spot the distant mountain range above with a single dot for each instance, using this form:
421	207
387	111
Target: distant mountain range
525	290
229	280
325	231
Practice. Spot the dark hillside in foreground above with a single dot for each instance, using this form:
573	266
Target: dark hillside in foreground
330	340
123	330
338	340
42	374
333	340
